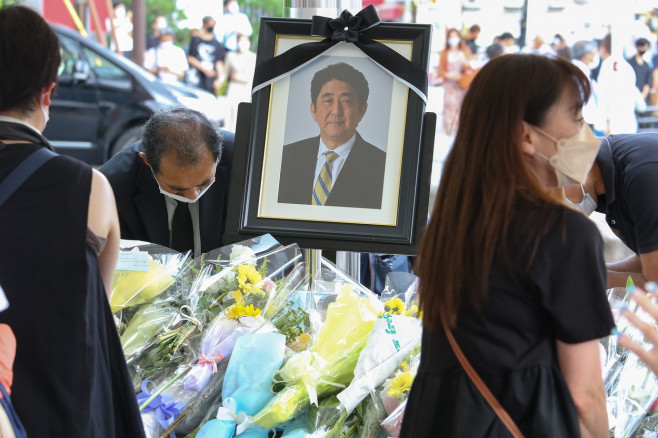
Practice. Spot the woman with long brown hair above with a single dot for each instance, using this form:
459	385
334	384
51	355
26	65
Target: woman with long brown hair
517	277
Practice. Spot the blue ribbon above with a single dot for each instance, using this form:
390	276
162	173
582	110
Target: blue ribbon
352	29
165	407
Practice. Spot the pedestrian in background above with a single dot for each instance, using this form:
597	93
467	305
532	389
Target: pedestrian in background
452	66
206	57
240	67
167	61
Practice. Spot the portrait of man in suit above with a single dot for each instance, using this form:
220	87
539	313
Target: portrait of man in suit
338	167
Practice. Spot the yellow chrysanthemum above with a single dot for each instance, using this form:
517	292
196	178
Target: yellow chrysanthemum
412	311
404	366
247	274
236	311
237	296
400	385
394	306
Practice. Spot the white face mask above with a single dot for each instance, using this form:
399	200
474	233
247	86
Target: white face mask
166	44
587	205
454	41
180	198
595	62
574	157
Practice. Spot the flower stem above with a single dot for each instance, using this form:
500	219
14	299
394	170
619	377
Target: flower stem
163	387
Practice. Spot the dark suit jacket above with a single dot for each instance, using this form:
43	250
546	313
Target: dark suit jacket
359	183
141	206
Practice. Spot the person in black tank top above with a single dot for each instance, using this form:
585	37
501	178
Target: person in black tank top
58	248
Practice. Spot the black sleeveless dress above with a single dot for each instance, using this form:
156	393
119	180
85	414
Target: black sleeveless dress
70	377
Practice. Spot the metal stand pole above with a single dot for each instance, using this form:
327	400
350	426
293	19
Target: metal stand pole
350	263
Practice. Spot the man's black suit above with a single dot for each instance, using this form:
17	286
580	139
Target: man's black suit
141	206
359	183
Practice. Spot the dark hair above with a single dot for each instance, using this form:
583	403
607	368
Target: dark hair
582	48
340	72
29	58
494	50
484	176
641	42
506	36
180	131
206	19
474	28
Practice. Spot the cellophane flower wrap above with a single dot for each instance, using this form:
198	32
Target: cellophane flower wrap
328	365
193	328
631	388
395	334
144	271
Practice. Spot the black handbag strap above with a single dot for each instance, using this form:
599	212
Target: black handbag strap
23	171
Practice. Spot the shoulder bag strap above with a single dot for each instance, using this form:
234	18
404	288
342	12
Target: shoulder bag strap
481	386
23	171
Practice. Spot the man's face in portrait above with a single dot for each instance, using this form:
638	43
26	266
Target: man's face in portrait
337	112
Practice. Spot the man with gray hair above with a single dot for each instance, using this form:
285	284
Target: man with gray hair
585	57
171	187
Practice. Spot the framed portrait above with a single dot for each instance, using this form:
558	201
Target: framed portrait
335	154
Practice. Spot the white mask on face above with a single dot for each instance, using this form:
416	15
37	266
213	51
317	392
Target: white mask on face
180	198
587	205
574	157
454	41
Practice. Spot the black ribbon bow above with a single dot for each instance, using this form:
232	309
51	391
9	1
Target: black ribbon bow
349	28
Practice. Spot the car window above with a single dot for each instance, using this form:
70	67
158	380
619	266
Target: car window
70	51
102	67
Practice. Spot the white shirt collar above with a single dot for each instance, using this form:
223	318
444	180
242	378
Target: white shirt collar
343	150
20	122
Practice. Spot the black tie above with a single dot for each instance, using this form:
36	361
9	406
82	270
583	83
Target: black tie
182	235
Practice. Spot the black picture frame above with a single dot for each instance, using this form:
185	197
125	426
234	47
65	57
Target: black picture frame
402	236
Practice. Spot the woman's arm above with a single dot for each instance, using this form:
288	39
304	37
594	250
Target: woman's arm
581	368
648	356
104	222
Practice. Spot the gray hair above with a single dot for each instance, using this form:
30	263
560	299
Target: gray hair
183	132
582	48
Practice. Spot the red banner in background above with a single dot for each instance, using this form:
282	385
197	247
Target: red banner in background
54	11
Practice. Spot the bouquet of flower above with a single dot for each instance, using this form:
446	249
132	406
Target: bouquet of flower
631	388
143	273
329	364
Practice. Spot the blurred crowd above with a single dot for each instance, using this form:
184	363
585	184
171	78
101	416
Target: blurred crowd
215	57
624	87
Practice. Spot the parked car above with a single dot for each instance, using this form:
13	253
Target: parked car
102	100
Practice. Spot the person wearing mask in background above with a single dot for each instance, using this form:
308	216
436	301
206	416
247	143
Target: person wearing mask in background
452	65
159	23
585	57
471	39
232	24
618	97
167	61
621	185
641	68
508	42
70	375
123	29
240	67
509	274
206	56
171	187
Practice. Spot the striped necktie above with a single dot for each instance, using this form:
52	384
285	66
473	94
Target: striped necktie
323	184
